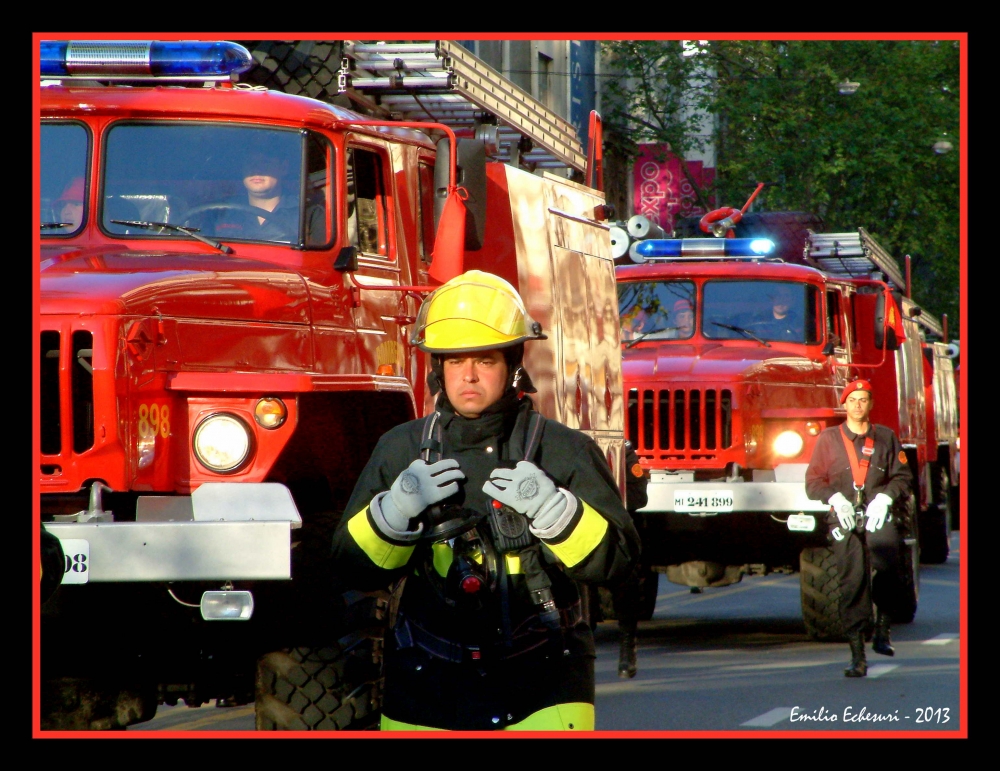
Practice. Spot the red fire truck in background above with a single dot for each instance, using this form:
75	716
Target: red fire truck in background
725	401
212	376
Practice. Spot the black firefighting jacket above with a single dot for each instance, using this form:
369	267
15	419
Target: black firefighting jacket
488	663
830	472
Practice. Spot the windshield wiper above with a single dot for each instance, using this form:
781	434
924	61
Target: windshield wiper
186	231
745	332
642	337
54	225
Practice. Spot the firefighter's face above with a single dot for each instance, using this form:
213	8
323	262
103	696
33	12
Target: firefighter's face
859	405
474	381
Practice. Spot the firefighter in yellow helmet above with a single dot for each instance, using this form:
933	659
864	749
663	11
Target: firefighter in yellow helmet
491	513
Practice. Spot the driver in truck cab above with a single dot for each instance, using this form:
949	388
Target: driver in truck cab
70	204
491	514
269	211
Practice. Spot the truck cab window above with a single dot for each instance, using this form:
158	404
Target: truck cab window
780	311
425	211
319	191
225	182
65	151
657	310
834	327
366	212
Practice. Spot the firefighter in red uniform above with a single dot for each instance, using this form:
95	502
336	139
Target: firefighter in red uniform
860	469
491	514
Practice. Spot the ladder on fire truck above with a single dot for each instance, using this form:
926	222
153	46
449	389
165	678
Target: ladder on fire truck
441	81
858	255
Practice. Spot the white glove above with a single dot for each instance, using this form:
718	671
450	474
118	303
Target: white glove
528	490
420	485
876	512
844	511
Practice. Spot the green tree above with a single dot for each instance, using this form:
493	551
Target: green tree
864	159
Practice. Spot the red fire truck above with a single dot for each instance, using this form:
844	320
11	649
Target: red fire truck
734	361
216	366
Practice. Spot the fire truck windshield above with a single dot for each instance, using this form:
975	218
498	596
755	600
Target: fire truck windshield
656	310
223	182
763	310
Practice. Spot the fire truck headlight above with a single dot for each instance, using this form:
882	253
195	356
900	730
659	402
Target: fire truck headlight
222	442
788	444
270	412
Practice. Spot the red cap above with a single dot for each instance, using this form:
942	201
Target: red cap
857	385
73	191
683	305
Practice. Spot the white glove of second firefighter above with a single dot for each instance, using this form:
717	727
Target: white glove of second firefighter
418	486
876	512
844	511
528	490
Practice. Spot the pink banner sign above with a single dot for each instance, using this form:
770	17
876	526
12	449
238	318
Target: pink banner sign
663	193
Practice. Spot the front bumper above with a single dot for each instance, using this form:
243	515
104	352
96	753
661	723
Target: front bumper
223	532
766	497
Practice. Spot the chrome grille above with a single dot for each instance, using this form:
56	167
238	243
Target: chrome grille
680	424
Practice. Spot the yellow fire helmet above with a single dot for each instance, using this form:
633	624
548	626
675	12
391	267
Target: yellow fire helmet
476	311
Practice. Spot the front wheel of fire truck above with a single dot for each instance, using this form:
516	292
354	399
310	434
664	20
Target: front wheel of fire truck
819	588
332	688
902	604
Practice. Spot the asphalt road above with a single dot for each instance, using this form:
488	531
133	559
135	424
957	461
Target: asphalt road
736	660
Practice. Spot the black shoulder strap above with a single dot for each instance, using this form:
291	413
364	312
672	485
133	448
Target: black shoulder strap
430	439
523	443
534	434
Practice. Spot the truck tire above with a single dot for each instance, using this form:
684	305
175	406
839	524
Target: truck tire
332	688
935	522
902	606
956	507
819	589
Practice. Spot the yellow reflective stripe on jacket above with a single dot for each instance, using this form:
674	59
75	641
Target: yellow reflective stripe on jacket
574	716
586	536
443	557
381	552
513	564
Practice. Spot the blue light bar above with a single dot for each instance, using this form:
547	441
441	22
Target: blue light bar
140	59
702	248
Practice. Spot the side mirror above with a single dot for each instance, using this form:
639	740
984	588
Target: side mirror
828	349
347	260
886	318
470	156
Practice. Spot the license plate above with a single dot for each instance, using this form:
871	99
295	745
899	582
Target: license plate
77	551
698	500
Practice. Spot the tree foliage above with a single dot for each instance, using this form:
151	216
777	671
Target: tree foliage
777	116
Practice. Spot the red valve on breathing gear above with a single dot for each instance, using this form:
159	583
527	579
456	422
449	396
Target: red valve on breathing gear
471	584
